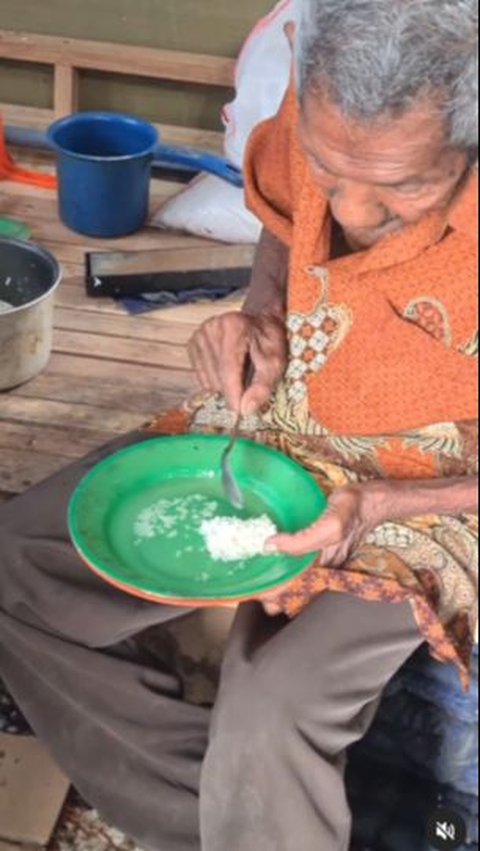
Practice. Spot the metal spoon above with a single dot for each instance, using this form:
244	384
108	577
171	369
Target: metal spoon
230	485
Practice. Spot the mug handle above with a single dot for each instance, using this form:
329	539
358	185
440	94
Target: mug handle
168	155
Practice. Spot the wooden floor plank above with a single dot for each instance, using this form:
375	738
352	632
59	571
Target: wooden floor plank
46	411
27	208
145	376
114	325
71	294
145	399
13	189
122	349
70	270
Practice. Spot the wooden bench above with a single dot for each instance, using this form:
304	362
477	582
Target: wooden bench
68	57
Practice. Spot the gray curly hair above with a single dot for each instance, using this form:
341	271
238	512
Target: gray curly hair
375	57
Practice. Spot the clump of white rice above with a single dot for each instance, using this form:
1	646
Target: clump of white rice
233	539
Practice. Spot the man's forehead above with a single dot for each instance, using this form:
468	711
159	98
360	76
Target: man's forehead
413	139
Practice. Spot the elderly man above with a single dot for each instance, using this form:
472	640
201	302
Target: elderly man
361	326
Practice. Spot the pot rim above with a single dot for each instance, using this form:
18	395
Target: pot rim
99	116
34	249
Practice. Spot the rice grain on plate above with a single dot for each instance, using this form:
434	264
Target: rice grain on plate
233	539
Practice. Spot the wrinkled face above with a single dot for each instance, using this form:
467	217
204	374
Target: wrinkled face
379	176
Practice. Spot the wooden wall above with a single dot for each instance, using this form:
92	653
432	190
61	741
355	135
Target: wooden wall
204	26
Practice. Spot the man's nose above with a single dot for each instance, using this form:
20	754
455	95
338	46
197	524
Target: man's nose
355	206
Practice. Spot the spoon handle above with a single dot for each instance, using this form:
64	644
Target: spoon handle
248	375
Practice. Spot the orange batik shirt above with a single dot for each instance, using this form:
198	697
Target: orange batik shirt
381	382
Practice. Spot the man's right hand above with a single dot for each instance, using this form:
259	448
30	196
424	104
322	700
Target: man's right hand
218	352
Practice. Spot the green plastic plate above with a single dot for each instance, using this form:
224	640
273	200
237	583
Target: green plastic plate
11	229
135	518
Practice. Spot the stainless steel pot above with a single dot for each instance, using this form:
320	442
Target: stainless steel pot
29	276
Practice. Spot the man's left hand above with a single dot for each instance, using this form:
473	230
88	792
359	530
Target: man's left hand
353	511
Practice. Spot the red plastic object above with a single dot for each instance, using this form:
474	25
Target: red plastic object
9	170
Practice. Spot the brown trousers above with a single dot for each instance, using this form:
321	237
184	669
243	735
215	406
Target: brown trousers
264	773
